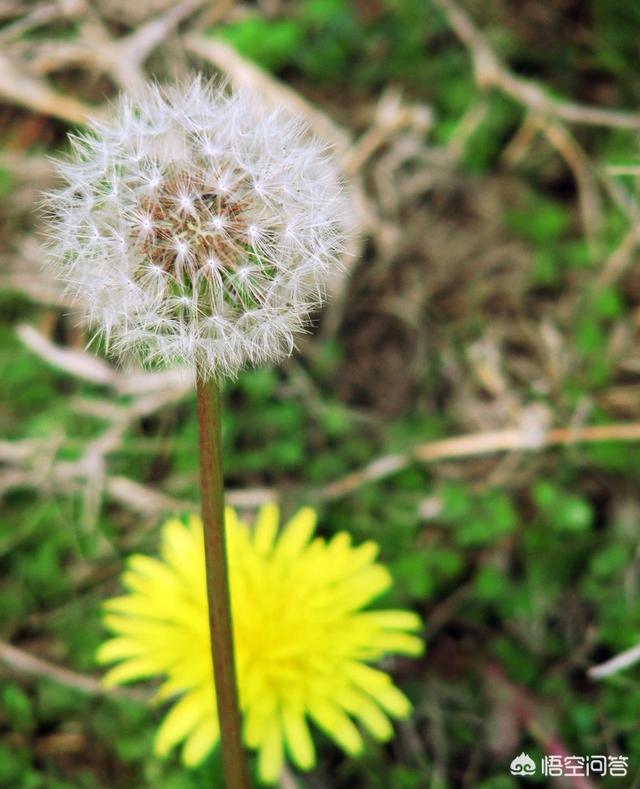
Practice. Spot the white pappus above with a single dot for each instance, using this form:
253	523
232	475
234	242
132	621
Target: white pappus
197	226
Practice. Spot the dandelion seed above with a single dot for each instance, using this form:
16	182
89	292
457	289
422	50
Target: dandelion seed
181	176
304	639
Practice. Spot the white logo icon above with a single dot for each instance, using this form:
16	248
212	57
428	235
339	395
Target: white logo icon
522	765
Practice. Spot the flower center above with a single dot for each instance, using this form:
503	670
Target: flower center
188	229
201	250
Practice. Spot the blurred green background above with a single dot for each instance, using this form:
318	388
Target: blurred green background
495	286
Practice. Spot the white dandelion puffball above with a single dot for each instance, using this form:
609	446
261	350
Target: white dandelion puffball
198	226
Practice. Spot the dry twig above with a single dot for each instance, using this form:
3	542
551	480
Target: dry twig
577	161
548	113
34	94
26	663
476	445
616	664
490	71
90	368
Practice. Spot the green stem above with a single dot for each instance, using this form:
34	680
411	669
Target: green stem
212	498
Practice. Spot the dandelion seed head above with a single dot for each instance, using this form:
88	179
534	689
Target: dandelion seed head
194	202
303	630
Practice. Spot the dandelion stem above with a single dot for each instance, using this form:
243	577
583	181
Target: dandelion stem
212	498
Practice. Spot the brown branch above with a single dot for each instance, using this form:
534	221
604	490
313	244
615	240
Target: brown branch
615	664
90	368
39	16
77	363
619	260
21	451
22	272
34	94
149	501
490	71
475	445
26	663
122	59
127	55
588	196
213	15
391	116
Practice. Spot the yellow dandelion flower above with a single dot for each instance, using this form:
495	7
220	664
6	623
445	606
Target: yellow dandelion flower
303	641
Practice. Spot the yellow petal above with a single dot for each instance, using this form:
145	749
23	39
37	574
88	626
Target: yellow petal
144	568
402	643
266	527
395	620
297	533
381	688
136	605
174	530
200	742
394	701
179	721
367	585
138	668
118	649
298	739
260	716
363	555
182	549
231	520
138	627
270	756
369	713
336	725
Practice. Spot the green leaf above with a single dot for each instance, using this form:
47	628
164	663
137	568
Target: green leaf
491	518
6	182
490	584
541	221
268	42
574	514
412	576
17	707
608	303
609	561
455	501
564	511
545	495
